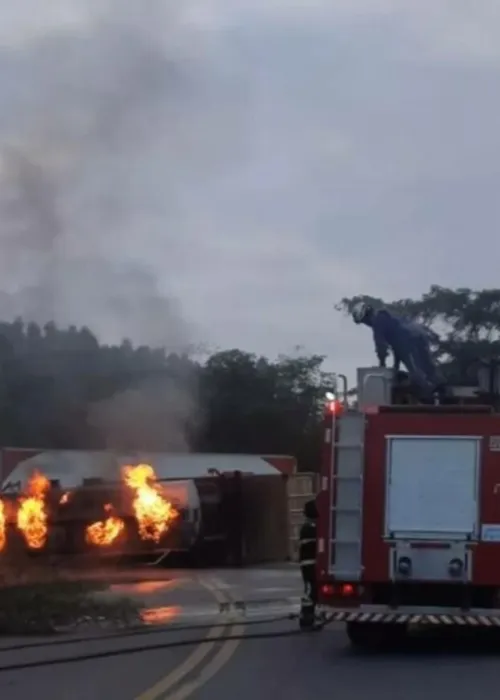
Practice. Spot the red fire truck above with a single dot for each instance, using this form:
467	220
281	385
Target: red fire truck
409	513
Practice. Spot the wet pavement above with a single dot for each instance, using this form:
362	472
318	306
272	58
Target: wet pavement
183	608
246	649
180	596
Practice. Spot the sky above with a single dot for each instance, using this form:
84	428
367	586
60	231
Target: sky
221	172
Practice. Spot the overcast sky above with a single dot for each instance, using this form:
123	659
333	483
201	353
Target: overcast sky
225	171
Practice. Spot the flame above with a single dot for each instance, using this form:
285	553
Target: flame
32	514
64	498
152	511
3	526
159	616
104	532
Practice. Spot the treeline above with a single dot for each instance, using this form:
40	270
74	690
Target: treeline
466	325
61	388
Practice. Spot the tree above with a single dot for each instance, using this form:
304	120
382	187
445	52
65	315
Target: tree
254	405
60	388
466	323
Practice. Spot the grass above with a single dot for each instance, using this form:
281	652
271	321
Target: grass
43	601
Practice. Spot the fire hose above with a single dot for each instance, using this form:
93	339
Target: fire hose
149	647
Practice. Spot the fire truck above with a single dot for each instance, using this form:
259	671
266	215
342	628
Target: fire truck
409	509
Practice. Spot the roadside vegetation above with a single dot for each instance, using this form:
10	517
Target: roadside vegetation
41	600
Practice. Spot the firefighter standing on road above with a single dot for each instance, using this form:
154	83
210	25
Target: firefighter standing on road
307	561
409	342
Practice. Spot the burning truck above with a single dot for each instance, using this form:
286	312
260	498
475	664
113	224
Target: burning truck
138	513
73	501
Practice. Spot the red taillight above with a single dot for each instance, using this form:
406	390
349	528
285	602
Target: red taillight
334	407
347	589
339	590
328	589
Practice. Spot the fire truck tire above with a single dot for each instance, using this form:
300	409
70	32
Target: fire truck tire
366	635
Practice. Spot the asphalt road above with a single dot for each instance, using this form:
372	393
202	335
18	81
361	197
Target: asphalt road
195	613
323	665
295	666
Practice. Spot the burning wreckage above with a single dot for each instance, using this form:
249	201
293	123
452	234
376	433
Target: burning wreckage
108	503
136	515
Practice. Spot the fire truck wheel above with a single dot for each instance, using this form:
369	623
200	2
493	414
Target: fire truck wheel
366	635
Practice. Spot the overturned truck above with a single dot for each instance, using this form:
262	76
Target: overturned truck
111	504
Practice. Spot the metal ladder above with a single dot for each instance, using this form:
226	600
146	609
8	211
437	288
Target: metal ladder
347	514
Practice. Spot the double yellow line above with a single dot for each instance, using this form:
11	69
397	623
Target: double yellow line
183	680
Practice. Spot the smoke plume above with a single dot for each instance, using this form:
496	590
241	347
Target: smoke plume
154	416
85	107
88	106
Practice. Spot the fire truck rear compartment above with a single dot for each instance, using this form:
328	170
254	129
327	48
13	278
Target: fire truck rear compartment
431	490
414	496
409	511
431	506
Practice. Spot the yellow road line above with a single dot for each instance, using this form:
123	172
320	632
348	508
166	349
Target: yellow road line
218	584
175	676
178	673
212	585
220	659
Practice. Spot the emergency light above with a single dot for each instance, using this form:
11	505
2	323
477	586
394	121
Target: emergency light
334	407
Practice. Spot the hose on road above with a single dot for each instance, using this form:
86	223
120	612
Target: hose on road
151	647
140	631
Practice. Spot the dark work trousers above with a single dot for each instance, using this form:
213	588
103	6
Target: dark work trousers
310	598
415	354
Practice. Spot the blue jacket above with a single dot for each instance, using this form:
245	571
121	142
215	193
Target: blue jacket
419	331
396	333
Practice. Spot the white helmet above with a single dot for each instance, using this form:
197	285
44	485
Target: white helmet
359	311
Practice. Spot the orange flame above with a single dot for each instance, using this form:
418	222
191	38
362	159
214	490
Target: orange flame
104	532
152	511
64	498
32	514
3	526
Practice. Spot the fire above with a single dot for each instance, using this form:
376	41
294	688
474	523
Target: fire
152	511
104	532
64	498
3	526
32	514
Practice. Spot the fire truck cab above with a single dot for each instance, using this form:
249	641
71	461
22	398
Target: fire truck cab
409	510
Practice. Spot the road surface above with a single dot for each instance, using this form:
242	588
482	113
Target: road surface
295	666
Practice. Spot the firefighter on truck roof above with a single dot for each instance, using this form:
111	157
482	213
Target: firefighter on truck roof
307	561
409	342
